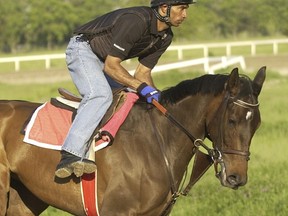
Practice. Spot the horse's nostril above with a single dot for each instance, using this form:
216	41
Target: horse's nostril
233	179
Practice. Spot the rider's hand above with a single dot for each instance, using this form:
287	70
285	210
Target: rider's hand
148	92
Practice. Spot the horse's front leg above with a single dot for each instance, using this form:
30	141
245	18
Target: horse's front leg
4	180
31	206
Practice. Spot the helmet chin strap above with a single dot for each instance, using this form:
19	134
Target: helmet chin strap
165	18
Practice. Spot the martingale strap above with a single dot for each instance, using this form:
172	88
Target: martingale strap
202	162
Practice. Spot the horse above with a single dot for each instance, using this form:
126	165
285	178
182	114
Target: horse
149	155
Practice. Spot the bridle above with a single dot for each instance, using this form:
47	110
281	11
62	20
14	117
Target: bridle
215	153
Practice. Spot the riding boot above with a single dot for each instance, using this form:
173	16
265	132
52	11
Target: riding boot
70	164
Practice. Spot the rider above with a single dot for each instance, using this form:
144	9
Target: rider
94	57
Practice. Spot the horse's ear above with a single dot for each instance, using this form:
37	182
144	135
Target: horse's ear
232	84
259	80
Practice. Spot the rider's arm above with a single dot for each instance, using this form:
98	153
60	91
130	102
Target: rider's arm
143	74
117	72
141	82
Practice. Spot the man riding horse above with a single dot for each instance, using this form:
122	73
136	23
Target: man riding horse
94	57
141	173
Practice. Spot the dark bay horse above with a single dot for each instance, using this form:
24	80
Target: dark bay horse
132	178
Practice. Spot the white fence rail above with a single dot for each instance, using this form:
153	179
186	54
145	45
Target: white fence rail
205	47
218	63
46	58
228	47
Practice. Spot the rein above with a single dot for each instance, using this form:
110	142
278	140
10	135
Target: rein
215	154
197	142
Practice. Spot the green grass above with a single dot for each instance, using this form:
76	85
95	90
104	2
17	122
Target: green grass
35	92
266	192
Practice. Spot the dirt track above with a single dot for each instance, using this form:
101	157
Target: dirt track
273	63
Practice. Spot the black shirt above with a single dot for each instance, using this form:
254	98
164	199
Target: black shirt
128	33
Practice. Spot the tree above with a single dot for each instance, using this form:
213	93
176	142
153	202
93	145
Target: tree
12	21
27	24
47	22
281	15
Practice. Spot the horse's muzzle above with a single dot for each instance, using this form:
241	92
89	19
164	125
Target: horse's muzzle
232	181
236	181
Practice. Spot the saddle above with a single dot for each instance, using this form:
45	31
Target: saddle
68	100
57	115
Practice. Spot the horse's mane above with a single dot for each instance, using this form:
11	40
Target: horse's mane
206	84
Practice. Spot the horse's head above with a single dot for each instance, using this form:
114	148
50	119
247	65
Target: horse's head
232	125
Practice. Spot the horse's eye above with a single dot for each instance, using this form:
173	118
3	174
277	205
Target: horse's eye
231	121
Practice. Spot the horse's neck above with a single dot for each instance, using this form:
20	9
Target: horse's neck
191	113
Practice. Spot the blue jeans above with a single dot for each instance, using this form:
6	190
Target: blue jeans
86	71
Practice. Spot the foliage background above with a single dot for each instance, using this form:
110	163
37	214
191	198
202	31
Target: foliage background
30	24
